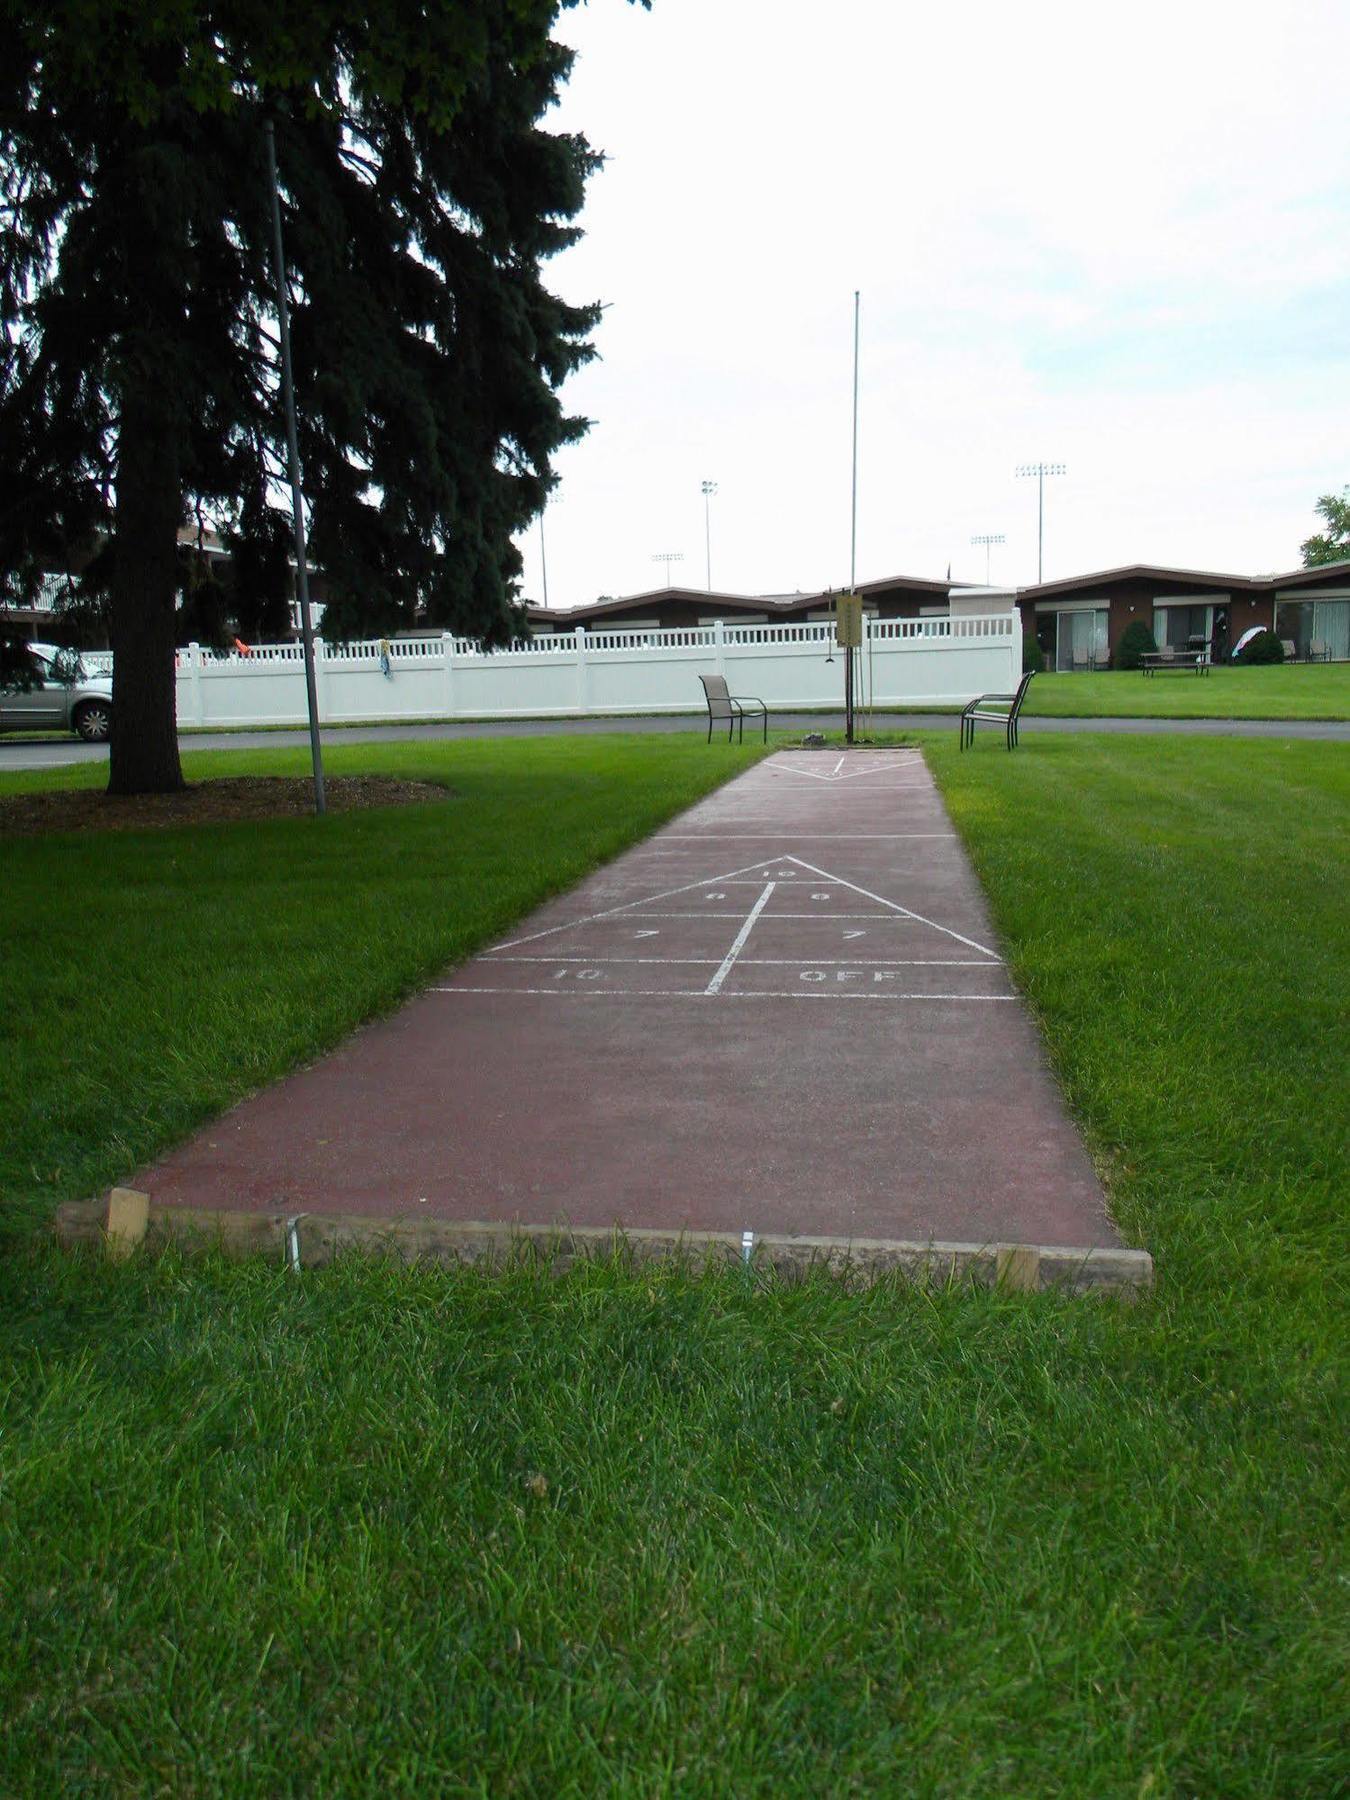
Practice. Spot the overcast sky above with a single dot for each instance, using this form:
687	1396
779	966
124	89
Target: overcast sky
1116	238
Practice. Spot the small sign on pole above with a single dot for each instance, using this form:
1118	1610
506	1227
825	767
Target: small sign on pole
848	622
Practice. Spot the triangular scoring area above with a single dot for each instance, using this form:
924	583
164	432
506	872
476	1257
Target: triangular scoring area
823	879
877	763
693	897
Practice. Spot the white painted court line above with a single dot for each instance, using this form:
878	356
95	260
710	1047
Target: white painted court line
876	756
867	895
772	768
628	905
715	984
767	962
579	993
841	837
730	877
899	916
798	881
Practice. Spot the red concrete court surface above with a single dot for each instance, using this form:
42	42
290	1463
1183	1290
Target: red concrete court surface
786	1012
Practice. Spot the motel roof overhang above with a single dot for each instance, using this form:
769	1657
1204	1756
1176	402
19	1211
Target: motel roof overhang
1160	577
775	605
1172	580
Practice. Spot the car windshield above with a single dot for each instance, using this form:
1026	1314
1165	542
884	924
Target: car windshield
66	665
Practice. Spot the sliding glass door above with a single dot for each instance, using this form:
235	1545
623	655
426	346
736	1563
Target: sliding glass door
1324	624
1081	641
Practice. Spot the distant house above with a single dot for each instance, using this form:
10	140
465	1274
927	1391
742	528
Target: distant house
663	609
667	609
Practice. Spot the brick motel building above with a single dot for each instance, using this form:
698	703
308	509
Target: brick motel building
1078	623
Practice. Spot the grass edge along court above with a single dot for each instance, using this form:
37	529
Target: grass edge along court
381	1530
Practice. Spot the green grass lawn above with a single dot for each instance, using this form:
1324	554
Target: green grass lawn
1301	691
368	1531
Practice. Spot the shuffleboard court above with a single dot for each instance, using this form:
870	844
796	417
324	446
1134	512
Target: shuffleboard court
786	1012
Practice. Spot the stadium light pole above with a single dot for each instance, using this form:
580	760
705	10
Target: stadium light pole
297	494
668	557
708	489
852	528
1040	470
987	540
543	552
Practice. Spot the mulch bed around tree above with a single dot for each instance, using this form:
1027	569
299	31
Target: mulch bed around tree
232	799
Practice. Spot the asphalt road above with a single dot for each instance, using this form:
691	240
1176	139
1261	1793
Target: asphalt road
16	754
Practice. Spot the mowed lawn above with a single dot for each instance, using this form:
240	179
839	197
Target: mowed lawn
371	1531
1298	691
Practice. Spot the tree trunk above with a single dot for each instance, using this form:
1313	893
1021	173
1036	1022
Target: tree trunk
144	741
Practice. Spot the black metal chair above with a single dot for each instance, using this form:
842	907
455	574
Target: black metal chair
996	709
722	704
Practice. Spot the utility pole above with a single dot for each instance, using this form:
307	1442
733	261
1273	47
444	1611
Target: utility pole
708	489
991	538
853	530
297	493
1040	470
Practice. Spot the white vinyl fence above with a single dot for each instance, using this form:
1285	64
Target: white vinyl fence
903	662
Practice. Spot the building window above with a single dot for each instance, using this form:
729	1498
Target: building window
1183	627
1315	627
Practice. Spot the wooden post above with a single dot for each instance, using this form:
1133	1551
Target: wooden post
1019	1268
125	1226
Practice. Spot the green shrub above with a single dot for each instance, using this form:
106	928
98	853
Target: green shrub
1136	642
1265	647
1033	657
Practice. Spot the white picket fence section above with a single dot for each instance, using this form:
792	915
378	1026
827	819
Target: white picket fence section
903	662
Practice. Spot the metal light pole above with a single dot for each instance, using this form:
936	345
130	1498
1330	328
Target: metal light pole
853	530
543	554
990	538
708	489
1040	470
293	459
668	557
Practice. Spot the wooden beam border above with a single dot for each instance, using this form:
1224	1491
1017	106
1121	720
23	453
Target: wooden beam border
320	1238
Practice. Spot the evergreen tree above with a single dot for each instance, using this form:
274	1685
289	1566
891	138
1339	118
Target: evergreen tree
1136	642
140	377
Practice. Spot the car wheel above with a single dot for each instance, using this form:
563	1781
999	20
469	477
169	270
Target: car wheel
93	721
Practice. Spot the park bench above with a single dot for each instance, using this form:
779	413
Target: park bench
723	704
997	709
1179	661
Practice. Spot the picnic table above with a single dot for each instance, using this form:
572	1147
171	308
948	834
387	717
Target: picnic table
1178	660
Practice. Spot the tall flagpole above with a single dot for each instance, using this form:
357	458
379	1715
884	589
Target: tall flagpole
853	531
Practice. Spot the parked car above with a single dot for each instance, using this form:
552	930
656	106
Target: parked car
61	696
